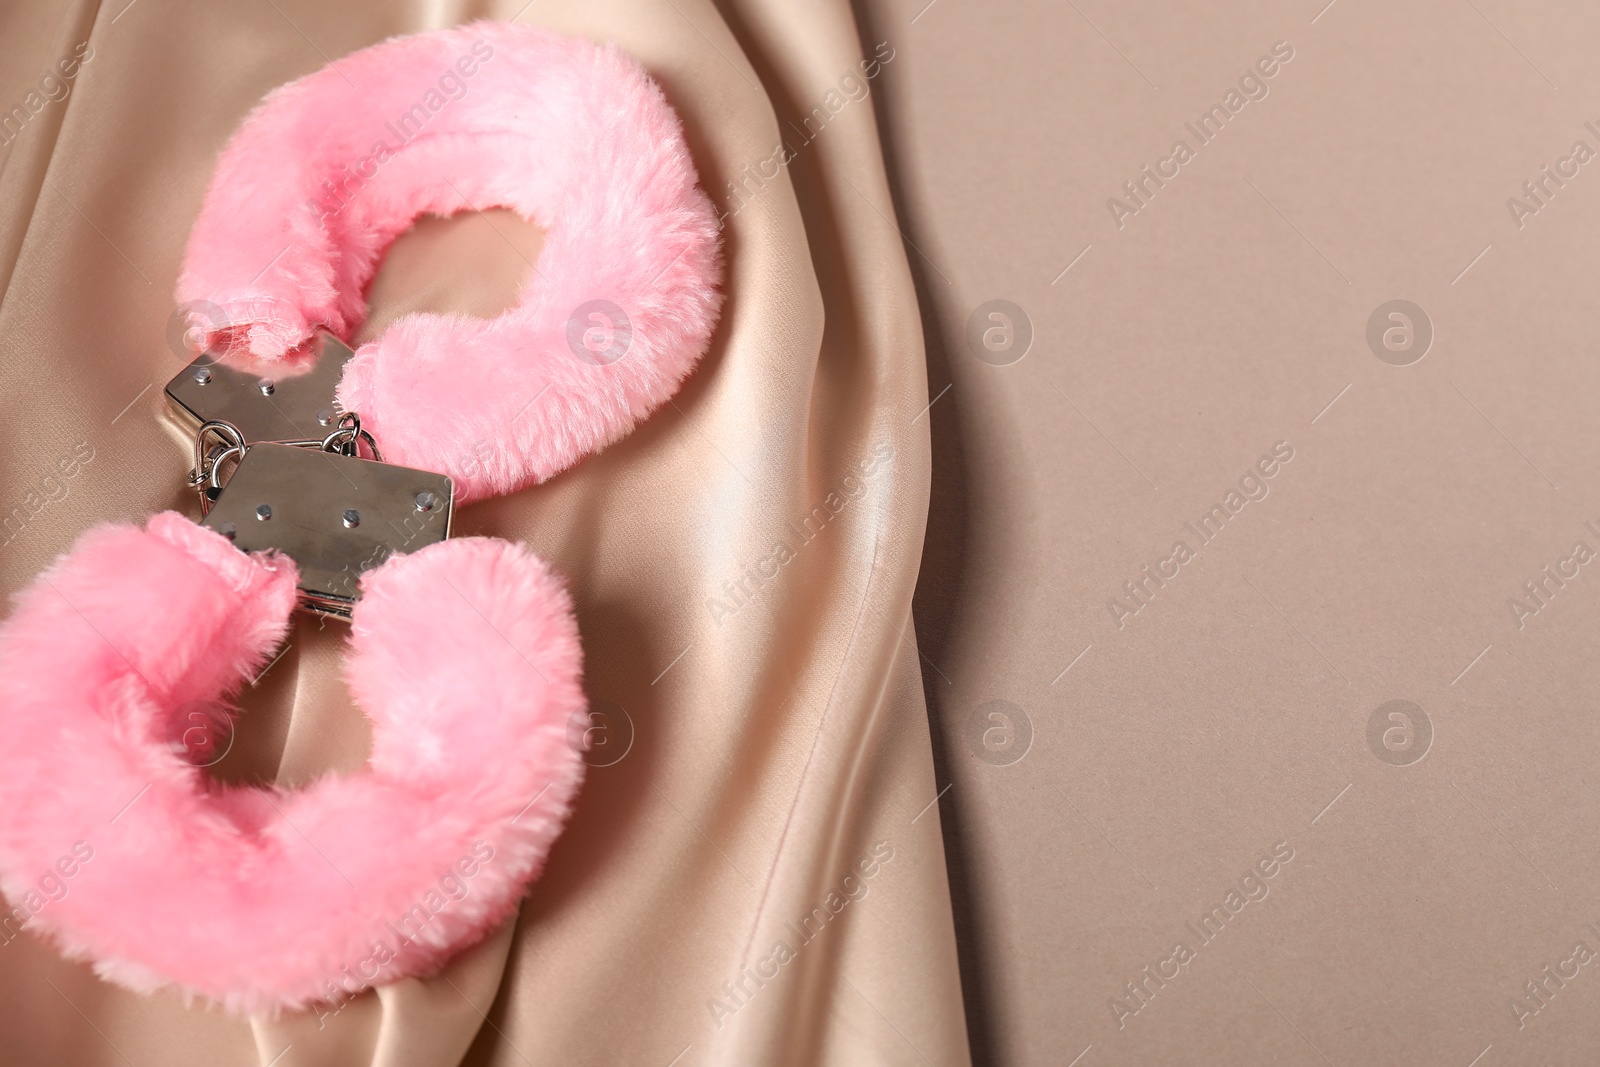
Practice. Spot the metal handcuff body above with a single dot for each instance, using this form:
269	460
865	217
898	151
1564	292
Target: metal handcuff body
315	499
328	478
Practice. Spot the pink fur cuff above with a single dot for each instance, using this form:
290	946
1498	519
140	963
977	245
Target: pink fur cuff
573	136
465	657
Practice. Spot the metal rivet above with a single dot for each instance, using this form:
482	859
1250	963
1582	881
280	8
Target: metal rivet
325	417
425	501
266	387
228	530
263	512
203	375
352	517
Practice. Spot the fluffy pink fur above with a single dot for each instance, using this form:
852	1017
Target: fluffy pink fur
465	657
573	136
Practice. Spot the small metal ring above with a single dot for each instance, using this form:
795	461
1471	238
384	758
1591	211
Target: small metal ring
217	459
224	430
344	439
208	466
367	437
344	433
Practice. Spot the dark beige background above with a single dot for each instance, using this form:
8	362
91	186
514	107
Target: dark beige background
1229	713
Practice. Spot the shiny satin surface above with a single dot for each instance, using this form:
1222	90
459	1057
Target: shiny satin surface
742	565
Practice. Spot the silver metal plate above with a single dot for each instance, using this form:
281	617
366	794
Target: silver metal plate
334	515
264	409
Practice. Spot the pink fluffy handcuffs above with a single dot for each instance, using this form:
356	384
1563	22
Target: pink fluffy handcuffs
464	653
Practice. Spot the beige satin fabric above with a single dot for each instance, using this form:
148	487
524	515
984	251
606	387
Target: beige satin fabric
779	745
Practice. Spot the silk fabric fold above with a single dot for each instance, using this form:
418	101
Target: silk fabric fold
755	871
